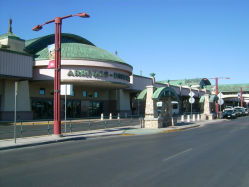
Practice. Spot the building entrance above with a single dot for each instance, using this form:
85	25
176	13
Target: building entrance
95	108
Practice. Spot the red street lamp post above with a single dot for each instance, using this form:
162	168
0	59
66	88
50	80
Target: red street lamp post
217	91
57	69
241	97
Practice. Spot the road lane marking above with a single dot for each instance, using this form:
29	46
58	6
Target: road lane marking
176	155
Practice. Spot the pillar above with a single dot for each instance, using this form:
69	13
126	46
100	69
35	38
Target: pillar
151	119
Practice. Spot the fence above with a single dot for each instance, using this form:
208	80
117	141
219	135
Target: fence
45	127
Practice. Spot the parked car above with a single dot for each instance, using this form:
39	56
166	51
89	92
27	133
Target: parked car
240	110
246	111
229	114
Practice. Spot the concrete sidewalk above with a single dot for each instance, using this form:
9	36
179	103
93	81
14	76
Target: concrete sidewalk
127	130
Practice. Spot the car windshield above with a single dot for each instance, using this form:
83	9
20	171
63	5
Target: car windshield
229	111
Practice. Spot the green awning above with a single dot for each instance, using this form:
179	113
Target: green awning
164	92
213	98
142	94
202	99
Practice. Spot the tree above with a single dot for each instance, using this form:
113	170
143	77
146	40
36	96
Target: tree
152	74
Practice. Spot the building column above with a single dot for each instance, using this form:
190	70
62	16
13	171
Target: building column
151	119
23	101
123	102
150	106
206	113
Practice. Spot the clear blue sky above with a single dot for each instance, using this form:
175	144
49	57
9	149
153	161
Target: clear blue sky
176	39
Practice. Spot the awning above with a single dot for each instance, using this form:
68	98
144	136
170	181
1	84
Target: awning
213	98
202	99
142	94
164	92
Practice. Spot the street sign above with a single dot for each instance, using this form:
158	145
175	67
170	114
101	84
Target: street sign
67	89
159	104
191	100
220	101
191	94
220	95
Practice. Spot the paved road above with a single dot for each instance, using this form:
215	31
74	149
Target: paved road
7	131
210	156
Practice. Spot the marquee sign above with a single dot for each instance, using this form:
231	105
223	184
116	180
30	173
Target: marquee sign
97	74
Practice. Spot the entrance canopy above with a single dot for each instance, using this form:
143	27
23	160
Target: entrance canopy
212	98
162	92
159	93
142	94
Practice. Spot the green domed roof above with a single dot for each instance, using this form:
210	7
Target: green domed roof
72	47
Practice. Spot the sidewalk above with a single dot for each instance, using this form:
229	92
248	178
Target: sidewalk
127	130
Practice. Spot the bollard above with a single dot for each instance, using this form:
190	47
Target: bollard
48	128
182	118
193	117
89	124
70	126
102	116
188	118
198	117
21	129
110	117
172	121
118	116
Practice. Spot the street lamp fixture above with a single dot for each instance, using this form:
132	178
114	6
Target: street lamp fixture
57	69
37	28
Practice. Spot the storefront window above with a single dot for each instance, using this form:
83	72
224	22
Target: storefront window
95	94
95	108
42	108
42	91
84	93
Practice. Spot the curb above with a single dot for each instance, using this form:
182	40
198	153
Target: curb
55	141
180	129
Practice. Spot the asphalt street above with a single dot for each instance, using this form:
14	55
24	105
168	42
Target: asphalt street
214	155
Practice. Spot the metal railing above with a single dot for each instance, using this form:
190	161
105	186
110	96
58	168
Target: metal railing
45	127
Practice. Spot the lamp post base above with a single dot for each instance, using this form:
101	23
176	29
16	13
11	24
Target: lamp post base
57	135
